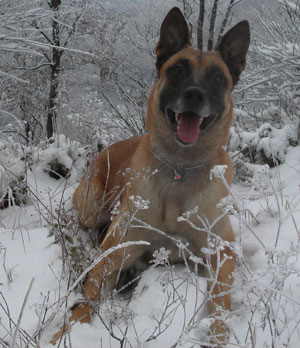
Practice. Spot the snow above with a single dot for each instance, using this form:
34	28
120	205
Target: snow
169	303
291	4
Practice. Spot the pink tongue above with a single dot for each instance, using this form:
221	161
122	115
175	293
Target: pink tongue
188	127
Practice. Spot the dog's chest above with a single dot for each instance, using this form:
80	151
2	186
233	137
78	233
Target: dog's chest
170	199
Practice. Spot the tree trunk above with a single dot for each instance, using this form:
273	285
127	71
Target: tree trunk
212	25
200	25
225	20
52	108
55	70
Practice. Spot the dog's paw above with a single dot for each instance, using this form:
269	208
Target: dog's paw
220	334
80	312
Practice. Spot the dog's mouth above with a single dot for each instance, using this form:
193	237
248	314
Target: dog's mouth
188	125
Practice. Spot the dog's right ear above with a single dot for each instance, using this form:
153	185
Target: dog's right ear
174	36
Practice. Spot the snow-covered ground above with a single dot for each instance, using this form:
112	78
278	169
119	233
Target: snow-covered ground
166	306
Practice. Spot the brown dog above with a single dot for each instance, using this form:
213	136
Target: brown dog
188	120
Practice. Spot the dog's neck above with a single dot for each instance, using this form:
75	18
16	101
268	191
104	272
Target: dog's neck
178	168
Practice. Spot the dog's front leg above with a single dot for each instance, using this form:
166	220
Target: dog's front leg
103	277
222	264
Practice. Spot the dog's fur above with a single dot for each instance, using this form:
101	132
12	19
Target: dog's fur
191	83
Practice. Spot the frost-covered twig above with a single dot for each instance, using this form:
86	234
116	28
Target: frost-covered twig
21	314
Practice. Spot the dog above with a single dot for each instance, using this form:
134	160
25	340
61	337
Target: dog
168	170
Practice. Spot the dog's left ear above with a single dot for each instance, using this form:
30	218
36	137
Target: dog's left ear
234	47
174	36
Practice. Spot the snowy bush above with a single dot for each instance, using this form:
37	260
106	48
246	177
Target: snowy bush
12	173
269	90
268	145
61	158
267	97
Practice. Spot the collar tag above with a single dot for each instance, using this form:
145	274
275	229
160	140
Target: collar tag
178	171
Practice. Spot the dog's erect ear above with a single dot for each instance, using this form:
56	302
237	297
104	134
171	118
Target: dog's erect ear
233	47
174	36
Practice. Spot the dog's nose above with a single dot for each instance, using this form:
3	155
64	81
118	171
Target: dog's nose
193	96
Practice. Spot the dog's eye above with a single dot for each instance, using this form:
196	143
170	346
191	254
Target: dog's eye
217	78
177	70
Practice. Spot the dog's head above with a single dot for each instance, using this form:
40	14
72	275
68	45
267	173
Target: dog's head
192	97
